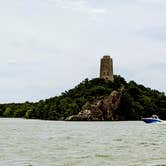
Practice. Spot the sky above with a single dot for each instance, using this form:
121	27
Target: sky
49	46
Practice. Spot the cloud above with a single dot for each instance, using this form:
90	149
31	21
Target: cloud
158	2
49	46
82	6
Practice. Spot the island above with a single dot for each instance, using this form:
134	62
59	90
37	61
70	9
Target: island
107	98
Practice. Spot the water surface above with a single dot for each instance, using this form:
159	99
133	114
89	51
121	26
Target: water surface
48	143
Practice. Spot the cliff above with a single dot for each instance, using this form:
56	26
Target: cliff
99	110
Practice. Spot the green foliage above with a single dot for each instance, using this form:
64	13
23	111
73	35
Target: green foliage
8	112
28	114
137	101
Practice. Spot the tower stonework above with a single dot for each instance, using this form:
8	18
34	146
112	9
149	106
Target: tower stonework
106	68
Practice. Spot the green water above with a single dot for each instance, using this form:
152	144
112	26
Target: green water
54	143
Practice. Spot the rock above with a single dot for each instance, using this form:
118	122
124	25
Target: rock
104	109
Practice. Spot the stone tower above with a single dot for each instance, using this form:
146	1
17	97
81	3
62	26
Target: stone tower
106	68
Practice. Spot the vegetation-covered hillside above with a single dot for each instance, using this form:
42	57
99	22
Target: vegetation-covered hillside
137	101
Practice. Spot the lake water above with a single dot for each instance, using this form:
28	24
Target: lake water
56	143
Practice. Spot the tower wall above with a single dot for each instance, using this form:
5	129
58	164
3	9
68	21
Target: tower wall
106	68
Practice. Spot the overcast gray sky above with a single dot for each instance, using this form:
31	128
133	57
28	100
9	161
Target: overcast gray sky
49	46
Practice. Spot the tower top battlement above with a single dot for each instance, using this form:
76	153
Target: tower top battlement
106	57
106	68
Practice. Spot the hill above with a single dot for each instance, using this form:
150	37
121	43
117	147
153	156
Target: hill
136	101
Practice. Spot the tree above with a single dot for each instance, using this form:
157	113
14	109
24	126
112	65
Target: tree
8	112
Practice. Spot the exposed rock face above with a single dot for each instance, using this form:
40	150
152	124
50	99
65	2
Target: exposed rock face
101	109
